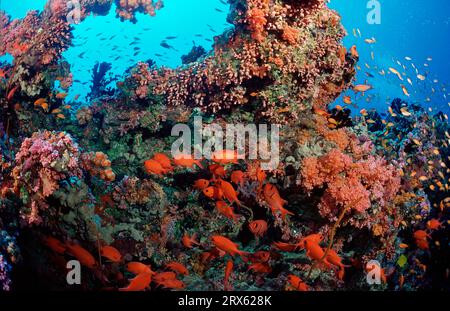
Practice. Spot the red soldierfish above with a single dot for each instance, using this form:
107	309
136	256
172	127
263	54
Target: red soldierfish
228	270
11	93
139	283
226	245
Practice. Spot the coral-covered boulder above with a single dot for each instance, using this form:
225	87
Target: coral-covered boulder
44	160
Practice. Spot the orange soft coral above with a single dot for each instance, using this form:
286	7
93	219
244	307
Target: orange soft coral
291	35
98	164
256	18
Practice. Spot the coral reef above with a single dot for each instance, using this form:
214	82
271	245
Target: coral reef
126	9
292	57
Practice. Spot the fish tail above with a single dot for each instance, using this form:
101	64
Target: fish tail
244	256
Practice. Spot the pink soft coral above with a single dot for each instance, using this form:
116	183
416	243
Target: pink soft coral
318	171
350	183
348	191
41	163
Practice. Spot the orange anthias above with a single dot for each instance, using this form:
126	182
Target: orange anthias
227	245
354	52
111	253
83	256
271	192
321	112
401	281
347	100
61	95
11	93
362	88
421	239
260	175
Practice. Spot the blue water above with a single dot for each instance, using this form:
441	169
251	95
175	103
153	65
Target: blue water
417	29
